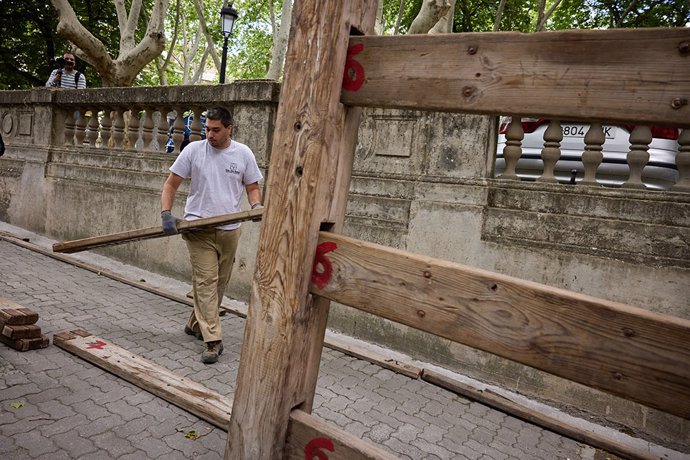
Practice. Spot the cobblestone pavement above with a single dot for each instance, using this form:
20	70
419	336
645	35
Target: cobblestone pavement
72	409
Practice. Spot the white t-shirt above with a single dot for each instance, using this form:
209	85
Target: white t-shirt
218	178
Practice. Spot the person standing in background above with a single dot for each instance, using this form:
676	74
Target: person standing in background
66	76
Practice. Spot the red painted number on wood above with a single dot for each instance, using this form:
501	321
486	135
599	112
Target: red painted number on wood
323	269
313	449
97	344
353	79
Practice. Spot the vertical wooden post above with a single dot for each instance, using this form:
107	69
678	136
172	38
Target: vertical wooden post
314	136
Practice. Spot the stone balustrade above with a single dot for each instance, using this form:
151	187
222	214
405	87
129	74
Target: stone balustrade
640	158
143	119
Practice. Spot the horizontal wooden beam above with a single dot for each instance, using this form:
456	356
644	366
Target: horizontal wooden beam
311	437
306	433
632	75
630	352
154	232
180	391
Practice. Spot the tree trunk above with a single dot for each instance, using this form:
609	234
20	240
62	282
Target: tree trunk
429	14
445	24
280	42
131	58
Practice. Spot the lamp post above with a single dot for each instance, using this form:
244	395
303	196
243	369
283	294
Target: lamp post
227	22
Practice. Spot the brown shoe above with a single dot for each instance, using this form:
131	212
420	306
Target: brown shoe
213	351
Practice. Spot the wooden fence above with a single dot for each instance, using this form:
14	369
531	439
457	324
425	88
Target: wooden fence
332	68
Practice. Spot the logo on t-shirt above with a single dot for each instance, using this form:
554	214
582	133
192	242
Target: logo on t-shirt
233	169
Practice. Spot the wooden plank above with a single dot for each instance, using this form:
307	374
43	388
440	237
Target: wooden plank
204	403
630	352
631	75
238	310
180	391
26	344
154	232
29	331
285	325
13	314
311	437
392	364
518	410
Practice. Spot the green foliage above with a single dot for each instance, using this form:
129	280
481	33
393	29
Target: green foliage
520	15
30	41
249	54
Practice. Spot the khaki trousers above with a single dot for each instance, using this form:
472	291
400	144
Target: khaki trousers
212	254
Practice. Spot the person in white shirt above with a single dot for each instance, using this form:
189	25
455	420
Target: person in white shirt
221	170
67	76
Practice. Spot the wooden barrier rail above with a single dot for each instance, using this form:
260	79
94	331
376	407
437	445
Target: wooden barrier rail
631	76
639	76
627	351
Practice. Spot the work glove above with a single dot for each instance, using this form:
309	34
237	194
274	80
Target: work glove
257	206
169	223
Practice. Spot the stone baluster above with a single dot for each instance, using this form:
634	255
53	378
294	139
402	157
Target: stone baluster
592	156
683	162
551	151
92	128
195	128
70	125
638	156
133	128
513	149
163	129
106	128
80	129
119	128
178	129
147	131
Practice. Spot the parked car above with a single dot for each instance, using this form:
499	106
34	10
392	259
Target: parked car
188	119
660	172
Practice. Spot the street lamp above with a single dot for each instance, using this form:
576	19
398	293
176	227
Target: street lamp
227	22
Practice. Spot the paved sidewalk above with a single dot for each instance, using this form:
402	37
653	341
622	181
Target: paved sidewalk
71	409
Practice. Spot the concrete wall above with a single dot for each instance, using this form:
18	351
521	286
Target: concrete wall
422	182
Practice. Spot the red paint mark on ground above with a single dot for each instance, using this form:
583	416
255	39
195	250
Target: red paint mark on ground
313	449
97	344
322	269
353	78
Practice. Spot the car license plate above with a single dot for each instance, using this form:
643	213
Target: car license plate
581	131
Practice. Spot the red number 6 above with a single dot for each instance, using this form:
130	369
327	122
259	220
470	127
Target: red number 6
313	449
353	78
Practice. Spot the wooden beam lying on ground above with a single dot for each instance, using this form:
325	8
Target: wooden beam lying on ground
518	410
310	437
154	232
630	352
632	75
308	433
180	391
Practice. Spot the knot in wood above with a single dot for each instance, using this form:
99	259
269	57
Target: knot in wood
684	47
678	102
427	274
472	50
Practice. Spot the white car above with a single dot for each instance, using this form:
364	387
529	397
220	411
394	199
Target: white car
660	173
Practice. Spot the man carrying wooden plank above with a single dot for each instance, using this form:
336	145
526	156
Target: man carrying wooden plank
219	169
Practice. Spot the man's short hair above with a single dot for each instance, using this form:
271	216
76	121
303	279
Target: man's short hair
220	113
